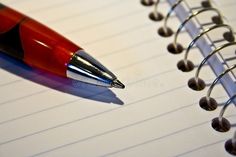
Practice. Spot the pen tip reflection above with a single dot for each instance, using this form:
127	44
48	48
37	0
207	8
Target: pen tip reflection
117	84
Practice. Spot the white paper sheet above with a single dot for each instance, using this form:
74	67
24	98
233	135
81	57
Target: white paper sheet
155	115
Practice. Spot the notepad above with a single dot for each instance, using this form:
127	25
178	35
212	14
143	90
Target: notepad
155	115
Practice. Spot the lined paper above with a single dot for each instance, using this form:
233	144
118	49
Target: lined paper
156	115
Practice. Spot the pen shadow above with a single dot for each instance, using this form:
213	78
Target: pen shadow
58	83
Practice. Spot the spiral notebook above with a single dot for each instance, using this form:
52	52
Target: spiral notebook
157	114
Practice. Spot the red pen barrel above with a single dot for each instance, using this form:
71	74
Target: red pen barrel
34	43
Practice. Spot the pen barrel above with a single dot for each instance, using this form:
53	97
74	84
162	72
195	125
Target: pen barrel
34	43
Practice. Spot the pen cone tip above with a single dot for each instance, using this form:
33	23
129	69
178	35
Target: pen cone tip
117	84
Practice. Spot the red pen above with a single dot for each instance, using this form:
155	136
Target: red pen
38	46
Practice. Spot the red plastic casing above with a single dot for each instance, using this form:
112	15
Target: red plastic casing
42	47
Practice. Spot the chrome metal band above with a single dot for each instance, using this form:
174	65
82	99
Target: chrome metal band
85	68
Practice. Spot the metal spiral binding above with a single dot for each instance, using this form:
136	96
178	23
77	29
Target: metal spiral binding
208	103
147	2
186	65
230	145
155	15
197	83
176	48
166	31
220	123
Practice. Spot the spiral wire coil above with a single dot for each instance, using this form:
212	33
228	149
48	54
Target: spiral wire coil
207	103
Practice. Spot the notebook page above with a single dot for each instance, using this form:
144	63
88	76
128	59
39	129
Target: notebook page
156	115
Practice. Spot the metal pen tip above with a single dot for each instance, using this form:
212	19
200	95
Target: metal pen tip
117	84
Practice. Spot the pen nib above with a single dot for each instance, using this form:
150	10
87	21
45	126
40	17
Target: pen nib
117	84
